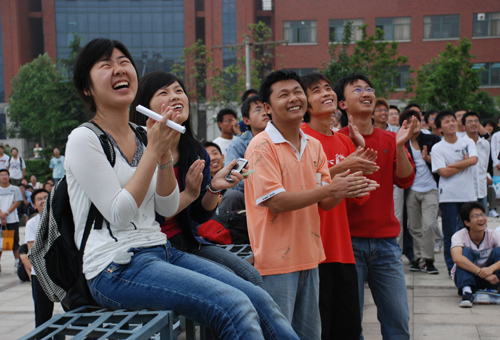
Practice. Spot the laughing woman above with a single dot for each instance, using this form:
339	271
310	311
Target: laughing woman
199	195
128	263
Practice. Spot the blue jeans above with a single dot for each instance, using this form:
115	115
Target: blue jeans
297	295
224	258
451	222
484	202
378	261
165	278
465	278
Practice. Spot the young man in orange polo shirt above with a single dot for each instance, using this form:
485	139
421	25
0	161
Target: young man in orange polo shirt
291	180
338	286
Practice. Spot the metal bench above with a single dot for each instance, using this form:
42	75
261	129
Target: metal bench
91	322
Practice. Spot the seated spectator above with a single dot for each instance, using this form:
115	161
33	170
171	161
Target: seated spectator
476	253
227	121
198	198
34	183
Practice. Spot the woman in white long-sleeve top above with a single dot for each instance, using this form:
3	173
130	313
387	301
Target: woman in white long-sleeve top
128	263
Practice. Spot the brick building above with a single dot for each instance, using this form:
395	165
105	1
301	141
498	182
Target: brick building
157	31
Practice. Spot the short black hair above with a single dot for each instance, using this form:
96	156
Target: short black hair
468	114
88	56
467	208
408	114
395	108
348	80
207	144
428	113
36	192
245	108
5	170
489	122
441	115
248	93
309	80
409	106
223	112
14	148
21	185
1	146
274	77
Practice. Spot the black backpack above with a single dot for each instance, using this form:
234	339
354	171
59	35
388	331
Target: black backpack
54	255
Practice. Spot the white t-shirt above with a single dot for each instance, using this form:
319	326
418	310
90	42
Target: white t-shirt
223	144
461	134
3	161
462	239
483	154
495	148
424	181
16	168
459	187
8	196
130	226
30	233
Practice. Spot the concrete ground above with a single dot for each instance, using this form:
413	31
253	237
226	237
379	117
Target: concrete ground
433	303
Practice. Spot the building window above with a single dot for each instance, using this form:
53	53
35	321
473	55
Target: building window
486	24
303	71
442	26
336	29
490	74
403	77
300	32
395	28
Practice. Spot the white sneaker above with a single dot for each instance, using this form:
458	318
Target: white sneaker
493	213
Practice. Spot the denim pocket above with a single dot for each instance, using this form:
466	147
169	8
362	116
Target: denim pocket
105	283
106	301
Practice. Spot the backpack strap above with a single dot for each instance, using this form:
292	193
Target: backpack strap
106	144
140	132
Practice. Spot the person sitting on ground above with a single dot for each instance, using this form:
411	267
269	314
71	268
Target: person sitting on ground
476	253
24	265
216	163
128	262
34	183
227	121
256	119
44	307
198	199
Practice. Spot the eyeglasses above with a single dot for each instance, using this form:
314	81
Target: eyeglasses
40	199
432	119
382	110
477	215
229	120
359	90
393	114
472	121
258	110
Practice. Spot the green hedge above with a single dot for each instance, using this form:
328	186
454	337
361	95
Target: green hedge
39	168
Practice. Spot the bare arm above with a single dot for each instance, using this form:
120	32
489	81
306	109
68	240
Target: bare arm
462	261
465	163
343	185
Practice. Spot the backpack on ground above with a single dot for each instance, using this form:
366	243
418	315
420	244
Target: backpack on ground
57	261
230	228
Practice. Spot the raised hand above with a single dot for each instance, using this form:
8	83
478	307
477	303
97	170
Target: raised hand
194	178
354	134
405	132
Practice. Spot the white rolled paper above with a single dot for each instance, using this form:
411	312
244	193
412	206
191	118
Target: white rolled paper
153	115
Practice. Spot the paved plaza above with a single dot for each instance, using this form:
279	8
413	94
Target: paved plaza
433	302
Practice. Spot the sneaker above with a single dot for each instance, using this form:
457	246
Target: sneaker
428	267
415	267
467	299
493	213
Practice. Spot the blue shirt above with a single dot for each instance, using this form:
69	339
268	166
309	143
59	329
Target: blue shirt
237	150
57	166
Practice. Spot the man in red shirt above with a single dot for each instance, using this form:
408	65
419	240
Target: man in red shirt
338	285
374	227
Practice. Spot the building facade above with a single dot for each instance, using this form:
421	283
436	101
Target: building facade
156	31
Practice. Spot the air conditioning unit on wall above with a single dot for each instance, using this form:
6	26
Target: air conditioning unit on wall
481	16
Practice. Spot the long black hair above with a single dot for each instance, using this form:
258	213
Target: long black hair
190	149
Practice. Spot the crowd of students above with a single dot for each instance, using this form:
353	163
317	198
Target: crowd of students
319	197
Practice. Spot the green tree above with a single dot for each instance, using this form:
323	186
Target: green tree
372	55
44	105
450	82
